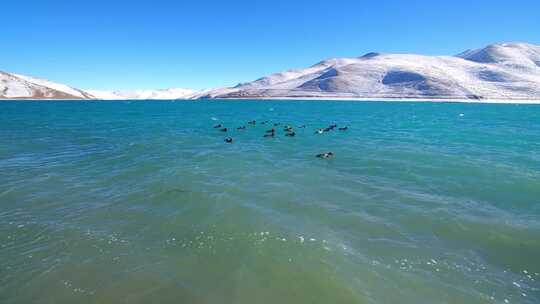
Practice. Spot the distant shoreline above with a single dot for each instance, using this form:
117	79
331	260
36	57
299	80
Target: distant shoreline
431	100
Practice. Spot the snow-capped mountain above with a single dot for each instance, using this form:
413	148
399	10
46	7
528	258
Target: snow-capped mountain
499	71
14	86
164	94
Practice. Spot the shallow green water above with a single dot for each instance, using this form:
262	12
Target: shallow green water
143	202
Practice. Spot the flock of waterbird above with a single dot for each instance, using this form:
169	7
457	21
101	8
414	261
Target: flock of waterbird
287	129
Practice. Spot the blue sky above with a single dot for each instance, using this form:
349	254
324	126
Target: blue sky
201	44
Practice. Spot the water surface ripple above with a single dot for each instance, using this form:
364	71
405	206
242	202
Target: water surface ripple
143	202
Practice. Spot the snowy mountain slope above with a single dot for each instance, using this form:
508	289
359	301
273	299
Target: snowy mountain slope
499	71
510	54
15	86
164	94
23	87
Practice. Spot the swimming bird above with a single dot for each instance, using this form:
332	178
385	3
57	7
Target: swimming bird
320	131
252	122
325	155
287	129
270	134
228	140
217	126
270	131
277	124
291	134
328	129
224	130
344	129
241	128
302	126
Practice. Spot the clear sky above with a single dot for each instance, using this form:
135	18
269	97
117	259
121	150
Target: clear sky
201	44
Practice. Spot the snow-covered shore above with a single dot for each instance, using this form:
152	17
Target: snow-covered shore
442	100
446	100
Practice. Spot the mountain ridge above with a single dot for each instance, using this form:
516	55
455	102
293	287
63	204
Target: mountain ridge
15	86
503	71
498	71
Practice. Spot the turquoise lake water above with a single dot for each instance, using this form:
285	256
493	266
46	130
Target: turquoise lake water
143	202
